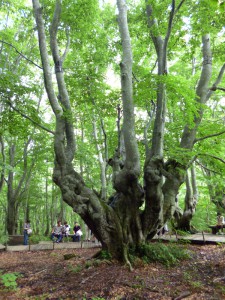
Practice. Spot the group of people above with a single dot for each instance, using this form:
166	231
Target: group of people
59	231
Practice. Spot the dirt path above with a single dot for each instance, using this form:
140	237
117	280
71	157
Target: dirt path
47	275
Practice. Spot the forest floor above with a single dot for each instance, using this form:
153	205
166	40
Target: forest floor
47	274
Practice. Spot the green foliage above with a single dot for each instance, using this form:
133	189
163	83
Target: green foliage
182	233
3	237
76	269
88	264
35	239
104	255
167	255
9	279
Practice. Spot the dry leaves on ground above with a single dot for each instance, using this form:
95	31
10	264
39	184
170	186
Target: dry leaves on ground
47	275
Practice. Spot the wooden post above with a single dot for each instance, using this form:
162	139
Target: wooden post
203	236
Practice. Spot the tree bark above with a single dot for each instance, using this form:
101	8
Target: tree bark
191	200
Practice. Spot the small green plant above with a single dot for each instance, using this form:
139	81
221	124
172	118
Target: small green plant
9	279
76	269
182	233
88	264
159	252
196	284
3	237
104	255
187	276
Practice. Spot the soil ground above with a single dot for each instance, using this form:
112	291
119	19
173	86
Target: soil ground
47	275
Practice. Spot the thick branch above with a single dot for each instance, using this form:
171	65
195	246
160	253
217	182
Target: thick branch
189	134
45	60
169	29
132	155
63	94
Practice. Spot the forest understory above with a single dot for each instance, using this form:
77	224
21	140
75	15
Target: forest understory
48	275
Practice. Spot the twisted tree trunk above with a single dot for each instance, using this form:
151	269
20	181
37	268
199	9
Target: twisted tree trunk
120	222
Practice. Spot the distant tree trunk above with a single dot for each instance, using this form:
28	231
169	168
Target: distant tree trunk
102	163
191	199
216	189
2	150
47	212
15	191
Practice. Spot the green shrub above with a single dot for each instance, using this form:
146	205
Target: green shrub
3	237
9	279
35	239
159	252
76	269
104	255
182	233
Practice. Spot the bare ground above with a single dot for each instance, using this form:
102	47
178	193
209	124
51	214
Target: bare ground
47	275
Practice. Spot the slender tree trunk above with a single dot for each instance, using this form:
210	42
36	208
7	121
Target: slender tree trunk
47	212
191	199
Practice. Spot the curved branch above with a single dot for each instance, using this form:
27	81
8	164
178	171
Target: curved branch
47	72
205	168
63	94
67	44
179	6
218	80
213	156
209	136
213	88
21	54
172	14
30	119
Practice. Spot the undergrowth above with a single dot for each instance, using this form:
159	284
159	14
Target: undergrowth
168	255
35	239
9	279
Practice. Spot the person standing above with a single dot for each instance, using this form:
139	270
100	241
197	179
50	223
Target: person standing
26	229
220	222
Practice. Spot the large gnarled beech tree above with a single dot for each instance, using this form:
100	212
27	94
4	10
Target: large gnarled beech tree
119	222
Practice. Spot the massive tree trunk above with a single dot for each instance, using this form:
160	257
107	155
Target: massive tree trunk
120	222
